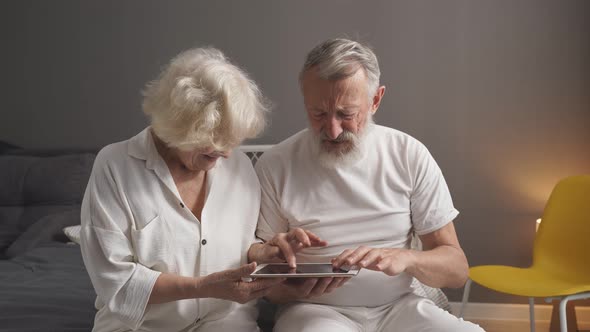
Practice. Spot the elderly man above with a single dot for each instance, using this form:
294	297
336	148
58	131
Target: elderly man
350	192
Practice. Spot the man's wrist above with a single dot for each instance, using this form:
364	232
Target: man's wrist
412	261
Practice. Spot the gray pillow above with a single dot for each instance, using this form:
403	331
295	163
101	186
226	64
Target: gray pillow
47	229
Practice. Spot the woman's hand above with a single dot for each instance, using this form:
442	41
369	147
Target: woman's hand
283	247
228	285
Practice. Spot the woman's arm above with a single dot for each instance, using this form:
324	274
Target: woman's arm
226	285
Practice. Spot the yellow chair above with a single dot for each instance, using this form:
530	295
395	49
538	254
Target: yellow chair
561	254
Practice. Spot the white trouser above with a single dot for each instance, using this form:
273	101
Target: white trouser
410	313
242	319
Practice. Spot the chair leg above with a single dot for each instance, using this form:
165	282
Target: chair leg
532	313
466	291
563	315
563	311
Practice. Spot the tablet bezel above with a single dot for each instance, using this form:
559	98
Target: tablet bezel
351	273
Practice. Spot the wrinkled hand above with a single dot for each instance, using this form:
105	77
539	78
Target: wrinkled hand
228	284
391	261
283	246
302	288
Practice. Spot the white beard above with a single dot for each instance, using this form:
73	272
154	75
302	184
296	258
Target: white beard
345	157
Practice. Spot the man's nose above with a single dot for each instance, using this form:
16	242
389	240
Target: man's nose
333	127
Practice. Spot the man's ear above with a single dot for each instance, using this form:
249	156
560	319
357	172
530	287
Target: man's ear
377	99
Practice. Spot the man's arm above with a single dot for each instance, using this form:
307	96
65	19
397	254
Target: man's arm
442	263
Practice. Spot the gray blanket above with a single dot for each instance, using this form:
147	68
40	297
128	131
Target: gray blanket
46	289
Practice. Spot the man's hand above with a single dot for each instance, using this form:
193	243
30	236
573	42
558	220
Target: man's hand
391	261
283	247
228	285
303	288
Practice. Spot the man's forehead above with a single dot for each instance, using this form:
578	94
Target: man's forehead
314	75
317	88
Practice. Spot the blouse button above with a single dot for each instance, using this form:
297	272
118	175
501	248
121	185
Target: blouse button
204	242
181	205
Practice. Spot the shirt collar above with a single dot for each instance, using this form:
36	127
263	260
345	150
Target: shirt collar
142	146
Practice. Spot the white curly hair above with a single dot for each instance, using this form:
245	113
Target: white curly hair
202	100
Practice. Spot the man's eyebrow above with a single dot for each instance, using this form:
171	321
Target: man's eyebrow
345	108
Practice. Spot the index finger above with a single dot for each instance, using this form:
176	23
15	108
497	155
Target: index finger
287	252
349	257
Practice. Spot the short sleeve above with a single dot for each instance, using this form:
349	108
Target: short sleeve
271	220
430	201
120	283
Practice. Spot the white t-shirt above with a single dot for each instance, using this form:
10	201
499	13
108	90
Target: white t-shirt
395	188
135	226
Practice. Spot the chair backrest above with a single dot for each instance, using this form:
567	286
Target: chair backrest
254	151
562	243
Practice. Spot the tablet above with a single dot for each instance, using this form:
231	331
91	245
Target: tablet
315	270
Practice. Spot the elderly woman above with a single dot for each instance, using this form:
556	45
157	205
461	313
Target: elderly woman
168	215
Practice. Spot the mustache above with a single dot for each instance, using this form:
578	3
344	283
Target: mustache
345	136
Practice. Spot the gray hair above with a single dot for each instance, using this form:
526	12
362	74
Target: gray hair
201	100
340	58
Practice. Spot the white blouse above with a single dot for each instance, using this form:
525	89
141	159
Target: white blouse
136	226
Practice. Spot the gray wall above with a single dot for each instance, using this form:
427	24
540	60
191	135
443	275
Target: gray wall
498	90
